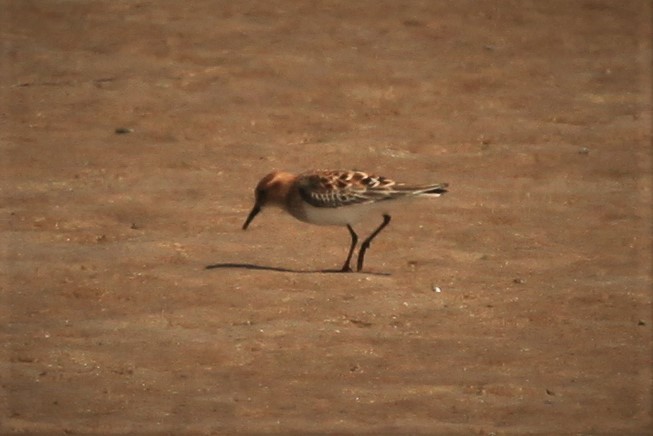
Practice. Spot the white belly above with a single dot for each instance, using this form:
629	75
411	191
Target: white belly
338	216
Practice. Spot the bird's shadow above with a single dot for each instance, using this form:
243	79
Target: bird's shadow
250	266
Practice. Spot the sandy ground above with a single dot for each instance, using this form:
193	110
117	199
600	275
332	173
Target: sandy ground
538	114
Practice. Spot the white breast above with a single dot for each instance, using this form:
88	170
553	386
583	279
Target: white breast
338	216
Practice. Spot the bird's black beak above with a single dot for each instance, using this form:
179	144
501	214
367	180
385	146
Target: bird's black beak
251	216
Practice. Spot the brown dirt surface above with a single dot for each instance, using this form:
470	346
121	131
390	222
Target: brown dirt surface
132	134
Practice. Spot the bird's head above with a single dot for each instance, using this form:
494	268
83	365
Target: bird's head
272	190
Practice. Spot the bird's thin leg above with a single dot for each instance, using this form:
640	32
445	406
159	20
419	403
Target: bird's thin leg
354	241
366	243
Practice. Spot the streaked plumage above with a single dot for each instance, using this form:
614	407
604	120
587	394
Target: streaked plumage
327	197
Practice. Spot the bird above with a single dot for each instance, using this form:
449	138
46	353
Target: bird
338	198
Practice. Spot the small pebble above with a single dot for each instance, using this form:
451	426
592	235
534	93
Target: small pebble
519	281
584	150
123	130
436	289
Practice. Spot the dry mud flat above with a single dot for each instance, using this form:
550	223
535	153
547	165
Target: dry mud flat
538	114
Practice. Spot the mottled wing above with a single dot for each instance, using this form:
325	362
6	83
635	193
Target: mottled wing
342	188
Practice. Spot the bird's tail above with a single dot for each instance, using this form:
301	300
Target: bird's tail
432	190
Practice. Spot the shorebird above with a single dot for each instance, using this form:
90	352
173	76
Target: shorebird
344	198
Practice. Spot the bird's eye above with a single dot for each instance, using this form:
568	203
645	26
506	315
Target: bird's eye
261	194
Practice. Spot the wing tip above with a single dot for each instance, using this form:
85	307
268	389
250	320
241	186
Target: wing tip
438	190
